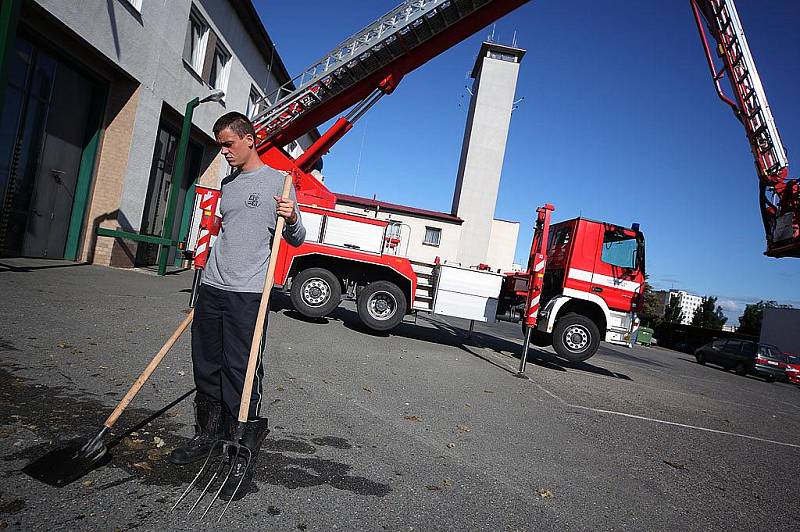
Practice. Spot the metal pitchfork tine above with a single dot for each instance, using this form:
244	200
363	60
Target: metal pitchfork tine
233	450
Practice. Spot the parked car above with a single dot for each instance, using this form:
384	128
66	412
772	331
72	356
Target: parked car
793	368
744	356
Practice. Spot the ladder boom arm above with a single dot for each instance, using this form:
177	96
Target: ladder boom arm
394	45
779	195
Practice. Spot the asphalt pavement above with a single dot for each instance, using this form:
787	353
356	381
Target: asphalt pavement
423	428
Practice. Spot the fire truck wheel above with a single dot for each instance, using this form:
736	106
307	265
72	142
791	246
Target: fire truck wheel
575	337
316	292
381	305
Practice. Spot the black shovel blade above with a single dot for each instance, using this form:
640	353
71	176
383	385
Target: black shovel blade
69	463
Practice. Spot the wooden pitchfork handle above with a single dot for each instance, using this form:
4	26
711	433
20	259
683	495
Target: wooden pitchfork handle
151	367
258	333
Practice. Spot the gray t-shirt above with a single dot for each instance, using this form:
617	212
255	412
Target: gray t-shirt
240	255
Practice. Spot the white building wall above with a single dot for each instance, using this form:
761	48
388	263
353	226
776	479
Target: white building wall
689	304
413	232
502	245
412	244
148	46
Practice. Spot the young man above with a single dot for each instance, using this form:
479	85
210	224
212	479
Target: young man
229	296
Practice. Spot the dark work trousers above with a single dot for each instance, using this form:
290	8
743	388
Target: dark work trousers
222	332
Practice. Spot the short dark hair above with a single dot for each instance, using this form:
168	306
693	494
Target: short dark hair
237	122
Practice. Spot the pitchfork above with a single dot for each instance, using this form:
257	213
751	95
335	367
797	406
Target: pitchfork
233	450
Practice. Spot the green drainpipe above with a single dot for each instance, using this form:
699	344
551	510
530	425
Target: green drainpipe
175	188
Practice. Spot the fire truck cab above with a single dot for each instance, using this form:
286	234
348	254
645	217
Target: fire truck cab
591	287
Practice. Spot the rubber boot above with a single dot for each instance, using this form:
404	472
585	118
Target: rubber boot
208	428
254	433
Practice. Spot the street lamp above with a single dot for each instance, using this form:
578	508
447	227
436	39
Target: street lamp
180	163
215	96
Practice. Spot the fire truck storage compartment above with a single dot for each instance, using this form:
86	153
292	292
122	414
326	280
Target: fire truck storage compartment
353	234
466	293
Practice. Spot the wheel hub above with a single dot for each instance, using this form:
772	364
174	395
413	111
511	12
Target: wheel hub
316	292
576	338
381	305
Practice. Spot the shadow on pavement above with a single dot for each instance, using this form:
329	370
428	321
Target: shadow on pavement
442	333
549	361
42	417
27	269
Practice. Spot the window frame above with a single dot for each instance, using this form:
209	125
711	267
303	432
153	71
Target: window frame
197	56
252	112
437	231
625	238
226	68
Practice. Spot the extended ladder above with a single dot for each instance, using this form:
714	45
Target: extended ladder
754	111
382	42
779	195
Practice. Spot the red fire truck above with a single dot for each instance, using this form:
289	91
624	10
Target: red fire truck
590	291
583	284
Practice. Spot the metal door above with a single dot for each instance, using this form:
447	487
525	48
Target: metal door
158	192
57	171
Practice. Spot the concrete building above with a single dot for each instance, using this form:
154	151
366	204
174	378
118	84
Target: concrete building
483	151
92	116
689	303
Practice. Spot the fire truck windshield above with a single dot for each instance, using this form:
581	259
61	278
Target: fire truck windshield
620	249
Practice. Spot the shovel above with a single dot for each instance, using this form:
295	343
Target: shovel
233	450
67	464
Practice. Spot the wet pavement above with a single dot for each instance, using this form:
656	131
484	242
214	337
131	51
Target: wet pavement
422	428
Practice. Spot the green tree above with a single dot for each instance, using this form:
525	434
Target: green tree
647	312
708	315
750	320
673	312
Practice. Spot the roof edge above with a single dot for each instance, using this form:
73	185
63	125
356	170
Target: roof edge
394	207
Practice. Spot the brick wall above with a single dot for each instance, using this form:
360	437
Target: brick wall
112	163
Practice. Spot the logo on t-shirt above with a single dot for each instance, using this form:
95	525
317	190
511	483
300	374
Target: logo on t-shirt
254	200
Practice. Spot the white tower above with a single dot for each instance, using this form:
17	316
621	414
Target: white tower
495	74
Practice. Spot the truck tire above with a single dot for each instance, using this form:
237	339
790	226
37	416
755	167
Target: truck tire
316	292
381	305
575	337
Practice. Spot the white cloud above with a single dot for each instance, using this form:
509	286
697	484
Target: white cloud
729	305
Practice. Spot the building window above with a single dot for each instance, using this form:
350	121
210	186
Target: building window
137	5
253	102
433	235
194	48
220	68
511	58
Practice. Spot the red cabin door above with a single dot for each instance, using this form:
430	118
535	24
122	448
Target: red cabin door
616	277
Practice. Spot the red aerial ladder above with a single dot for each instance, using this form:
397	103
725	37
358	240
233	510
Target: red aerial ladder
779	196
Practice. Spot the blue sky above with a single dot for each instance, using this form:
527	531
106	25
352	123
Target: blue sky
619	122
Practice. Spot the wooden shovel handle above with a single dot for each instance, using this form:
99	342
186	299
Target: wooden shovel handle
252	361
148	371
